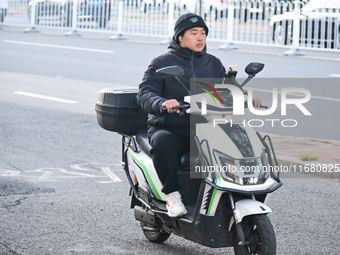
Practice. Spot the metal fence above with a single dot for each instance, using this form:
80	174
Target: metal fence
264	22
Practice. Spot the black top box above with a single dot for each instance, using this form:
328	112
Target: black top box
118	111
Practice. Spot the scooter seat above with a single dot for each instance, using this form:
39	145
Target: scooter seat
143	142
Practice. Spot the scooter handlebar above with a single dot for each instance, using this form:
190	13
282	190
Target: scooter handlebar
186	106
180	107
163	109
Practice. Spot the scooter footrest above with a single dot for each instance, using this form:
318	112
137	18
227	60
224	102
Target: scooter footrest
159	205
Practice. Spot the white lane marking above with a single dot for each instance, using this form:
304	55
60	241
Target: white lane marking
80	174
111	175
292	94
89	167
48	172
9	173
81	167
66	101
335	75
57	46
45	176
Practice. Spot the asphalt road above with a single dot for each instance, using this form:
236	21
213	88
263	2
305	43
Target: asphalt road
62	189
122	63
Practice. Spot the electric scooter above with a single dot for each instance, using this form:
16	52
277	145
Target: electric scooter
226	206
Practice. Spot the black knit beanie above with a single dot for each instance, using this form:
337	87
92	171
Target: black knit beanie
187	21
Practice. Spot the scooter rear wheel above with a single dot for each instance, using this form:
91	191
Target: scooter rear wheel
259	235
153	234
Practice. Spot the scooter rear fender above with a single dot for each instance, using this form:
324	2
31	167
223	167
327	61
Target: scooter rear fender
247	207
144	170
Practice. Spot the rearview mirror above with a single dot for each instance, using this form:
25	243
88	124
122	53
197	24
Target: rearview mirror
170	72
254	68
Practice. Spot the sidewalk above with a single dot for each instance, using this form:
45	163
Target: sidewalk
308	154
212	45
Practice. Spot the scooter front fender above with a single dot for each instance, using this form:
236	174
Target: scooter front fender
247	207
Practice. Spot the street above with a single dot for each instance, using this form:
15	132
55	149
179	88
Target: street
62	187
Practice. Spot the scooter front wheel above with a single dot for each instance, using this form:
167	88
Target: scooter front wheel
259	235
153	234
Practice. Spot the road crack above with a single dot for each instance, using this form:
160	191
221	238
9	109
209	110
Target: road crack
14	204
10	164
8	248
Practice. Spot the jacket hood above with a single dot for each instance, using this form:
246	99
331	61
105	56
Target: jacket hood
175	48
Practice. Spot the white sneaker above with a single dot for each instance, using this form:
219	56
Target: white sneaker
174	205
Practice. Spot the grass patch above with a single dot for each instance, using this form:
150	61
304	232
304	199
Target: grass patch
302	143
308	157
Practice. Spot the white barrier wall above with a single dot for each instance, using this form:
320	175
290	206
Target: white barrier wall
263	22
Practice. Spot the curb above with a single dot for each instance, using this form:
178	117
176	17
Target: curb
312	168
297	166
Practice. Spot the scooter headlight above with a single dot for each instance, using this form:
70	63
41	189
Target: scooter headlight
248	171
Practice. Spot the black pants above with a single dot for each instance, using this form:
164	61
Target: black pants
167	147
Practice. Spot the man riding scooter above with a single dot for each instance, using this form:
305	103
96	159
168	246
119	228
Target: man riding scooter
169	134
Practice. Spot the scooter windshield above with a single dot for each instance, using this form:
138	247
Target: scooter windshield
226	97
223	101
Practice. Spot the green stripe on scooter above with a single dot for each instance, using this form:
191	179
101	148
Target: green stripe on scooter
215	190
213	197
148	177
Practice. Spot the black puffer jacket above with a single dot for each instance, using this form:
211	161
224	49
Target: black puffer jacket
153	91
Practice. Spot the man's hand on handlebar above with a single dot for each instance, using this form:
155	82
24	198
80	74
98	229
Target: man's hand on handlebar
256	102
171	103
